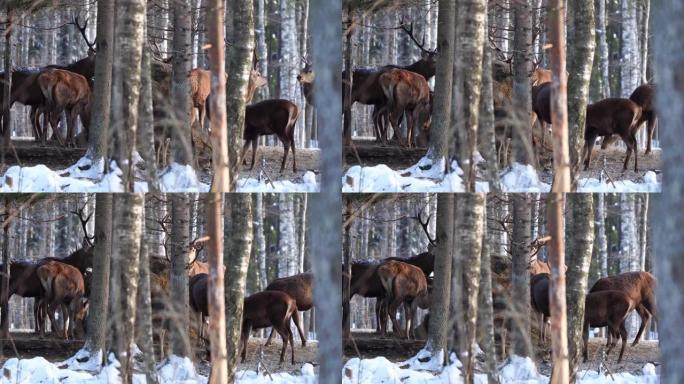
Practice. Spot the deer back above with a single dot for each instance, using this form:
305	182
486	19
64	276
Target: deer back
299	287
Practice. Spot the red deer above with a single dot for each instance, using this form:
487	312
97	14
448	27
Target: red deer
640	287
198	298
539	292
269	309
306	78
607	309
25	282
300	288
271	117
404	284
25	90
69	92
608	117
64	287
366	282
644	96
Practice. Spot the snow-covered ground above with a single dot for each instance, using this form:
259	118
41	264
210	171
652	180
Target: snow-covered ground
425	176
88	176
173	370
515	370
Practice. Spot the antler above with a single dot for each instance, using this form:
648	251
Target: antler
409	31
537	244
196	245
166	238
82	29
84	223
425	224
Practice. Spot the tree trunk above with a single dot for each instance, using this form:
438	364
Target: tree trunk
468	242
146	119
180	88
236	254
219	131
99	289
604	63
260	240
441	130
143	323
7	86
486	130
601	241
667	226
178	277
126	92
98	136
485	309
520	281
557	304
559	107
215	288
441	289
630	66
239	68
644	229
128	223
261	48
579	233
347	118
522	103
346	276
581	44
4	312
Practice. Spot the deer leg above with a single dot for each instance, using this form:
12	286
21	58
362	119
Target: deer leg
630	147
651	128
623	335
645	317
585	340
588	147
270	336
294	157
283	330
286	145
394	305
296	319
71	126
244	338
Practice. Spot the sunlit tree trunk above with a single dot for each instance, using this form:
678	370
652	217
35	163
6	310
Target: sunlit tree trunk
520	281
180	89
215	289
557	304
178	279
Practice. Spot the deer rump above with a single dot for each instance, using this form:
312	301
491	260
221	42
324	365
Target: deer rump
639	287
64	287
403	283
607	309
407	92
300	288
268	309
65	91
271	117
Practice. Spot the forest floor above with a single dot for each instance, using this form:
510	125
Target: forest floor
367	152
26	152
271	357
27	345
368	344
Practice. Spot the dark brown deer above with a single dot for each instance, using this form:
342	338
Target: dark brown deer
366	282
644	96
608	117
25	90
25	282
403	284
607	309
271	117
640	287
198	299
539	292
269	309
64	287
69	92
306	78
406	92
300	288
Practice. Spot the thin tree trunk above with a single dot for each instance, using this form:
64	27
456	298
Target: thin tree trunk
557	305
522	53
260	240
347	118
219	130
236	254
178	279
4	312
7	86
215	288
180	89
601	241
346	275
146	119
579	233
143	322
603	48
485	309
520	281
559	107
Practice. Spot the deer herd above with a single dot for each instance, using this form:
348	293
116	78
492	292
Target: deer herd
53	90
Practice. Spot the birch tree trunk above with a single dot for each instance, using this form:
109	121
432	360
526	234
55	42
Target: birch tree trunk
602	48
441	289
180	89
289	53
98	136
239	67
99	290
143	323
260	240
522	99
557	304
236	254
579	233
219	131
630	66
581	44
261	47
485	308
178	279
520	281
215	287
146	118
601	241
667	227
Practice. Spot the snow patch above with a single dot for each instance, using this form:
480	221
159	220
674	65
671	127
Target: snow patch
650	184
84	360
522	178
177	177
309	184
425	360
250	377
177	369
517	369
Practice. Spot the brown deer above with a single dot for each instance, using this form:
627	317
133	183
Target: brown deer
607	309
271	117
403	284
25	282
25	90
198	299
64	287
269	309
608	117
644	96
306	78
640	287
539	298
300	288
69	92
407	92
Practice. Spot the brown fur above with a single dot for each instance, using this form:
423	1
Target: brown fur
269	309
69	92
607	309
640	287
403	283
608	117
406	92
300	288
644	96
63	286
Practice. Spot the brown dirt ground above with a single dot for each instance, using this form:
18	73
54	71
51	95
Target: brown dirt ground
368	152
29	153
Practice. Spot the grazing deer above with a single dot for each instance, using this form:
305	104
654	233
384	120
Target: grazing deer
607	309
608	117
640	287
403	284
64	287
269	309
69	92
300	288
